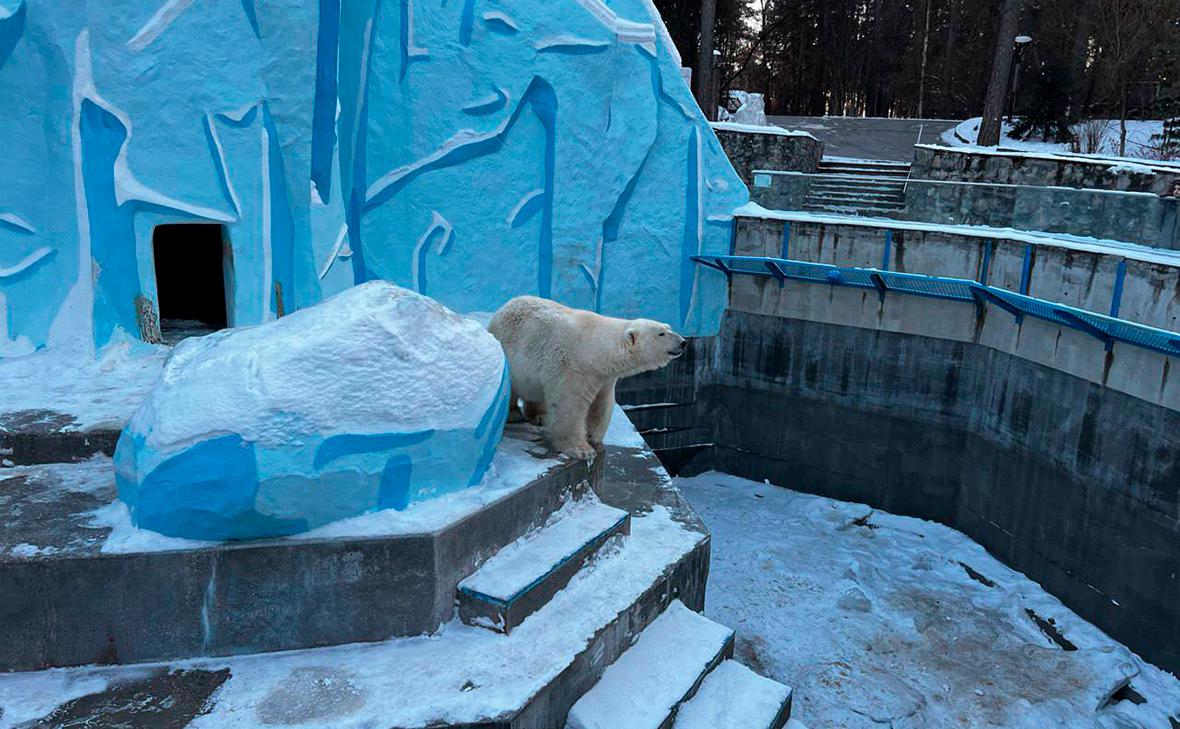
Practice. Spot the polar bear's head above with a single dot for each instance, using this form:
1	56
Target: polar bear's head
652	344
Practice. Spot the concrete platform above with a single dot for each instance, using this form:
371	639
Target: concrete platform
82	586
48	436
62	408
460	676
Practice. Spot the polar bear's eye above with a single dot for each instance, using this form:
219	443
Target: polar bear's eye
662	333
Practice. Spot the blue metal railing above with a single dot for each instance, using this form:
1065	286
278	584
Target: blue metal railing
1105	328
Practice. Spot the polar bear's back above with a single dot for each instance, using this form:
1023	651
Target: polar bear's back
528	325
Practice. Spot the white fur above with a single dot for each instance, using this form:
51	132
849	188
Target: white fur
564	364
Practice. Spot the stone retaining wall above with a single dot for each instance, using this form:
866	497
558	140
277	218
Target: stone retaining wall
749	150
932	162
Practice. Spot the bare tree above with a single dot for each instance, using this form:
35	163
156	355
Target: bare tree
997	88
1129	33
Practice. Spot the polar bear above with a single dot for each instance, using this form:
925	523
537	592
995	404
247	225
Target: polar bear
564	362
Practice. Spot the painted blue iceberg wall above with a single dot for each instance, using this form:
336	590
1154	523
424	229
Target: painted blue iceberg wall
467	149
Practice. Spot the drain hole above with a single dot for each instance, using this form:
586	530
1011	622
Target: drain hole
1049	628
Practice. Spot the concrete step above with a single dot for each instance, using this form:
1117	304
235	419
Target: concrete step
644	688
94	589
522	577
456	678
861	176
858	183
865	166
846	195
848	210
734	697
855	201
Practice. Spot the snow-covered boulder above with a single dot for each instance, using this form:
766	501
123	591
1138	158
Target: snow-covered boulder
373	399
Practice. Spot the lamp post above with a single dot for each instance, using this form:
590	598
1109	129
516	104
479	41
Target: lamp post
1020	42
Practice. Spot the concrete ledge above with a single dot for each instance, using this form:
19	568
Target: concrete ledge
460	677
45	436
67	602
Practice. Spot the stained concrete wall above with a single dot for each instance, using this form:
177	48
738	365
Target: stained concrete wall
1058	456
932	162
1085	279
1134	217
750	150
1070	482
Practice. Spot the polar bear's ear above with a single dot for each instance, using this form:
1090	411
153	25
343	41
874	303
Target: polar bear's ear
632	335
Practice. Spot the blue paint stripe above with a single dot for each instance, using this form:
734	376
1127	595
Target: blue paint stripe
888	250
988	248
786	239
492	438
349	444
323	124
689	241
467	22
1026	270
1116	302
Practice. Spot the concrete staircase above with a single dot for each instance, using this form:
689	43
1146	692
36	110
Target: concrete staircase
577	576
522	577
680	674
871	188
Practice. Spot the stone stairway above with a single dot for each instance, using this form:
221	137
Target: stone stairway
680	674
575	575
522	577
871	188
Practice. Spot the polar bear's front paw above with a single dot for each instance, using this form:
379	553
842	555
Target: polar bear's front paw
580	451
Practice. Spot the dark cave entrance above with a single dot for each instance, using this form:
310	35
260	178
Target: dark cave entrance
193	268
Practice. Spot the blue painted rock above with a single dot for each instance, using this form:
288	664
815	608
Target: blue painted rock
373	399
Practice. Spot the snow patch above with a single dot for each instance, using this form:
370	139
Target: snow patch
757	129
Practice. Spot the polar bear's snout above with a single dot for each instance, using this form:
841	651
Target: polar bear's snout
680	346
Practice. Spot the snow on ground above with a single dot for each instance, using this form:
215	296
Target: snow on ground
104	391
875	621
1139	138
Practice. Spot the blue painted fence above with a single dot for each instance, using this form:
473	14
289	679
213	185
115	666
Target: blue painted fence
1105	328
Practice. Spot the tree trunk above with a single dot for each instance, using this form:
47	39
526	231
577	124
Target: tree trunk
704	71
925	58
1077	64
1123	92
997	88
